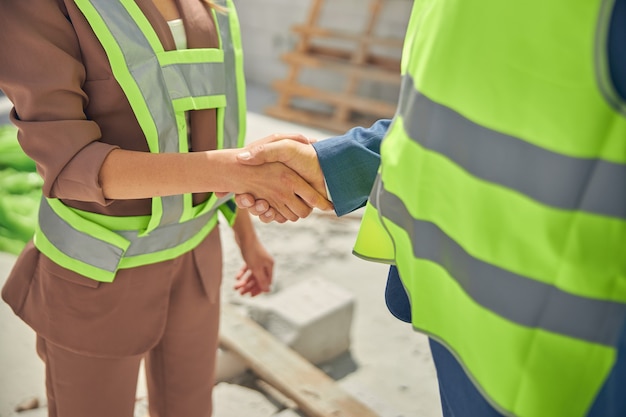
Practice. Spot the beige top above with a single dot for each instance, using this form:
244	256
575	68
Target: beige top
178	33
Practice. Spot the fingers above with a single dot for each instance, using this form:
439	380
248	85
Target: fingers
291	195
257	148
253	282
313	199
299	197
260	208
275	151
280	136
245	284
254	206
272	216
309	196
295	208
301	158
282	188
267	214
251	287
263	276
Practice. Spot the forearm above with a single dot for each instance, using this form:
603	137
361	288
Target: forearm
131	175
243	228
256	275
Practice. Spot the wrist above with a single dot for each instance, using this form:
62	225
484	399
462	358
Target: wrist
225	175
245	240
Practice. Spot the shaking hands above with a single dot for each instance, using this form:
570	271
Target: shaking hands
284	197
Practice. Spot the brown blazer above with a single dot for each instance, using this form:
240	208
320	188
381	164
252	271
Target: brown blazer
71	113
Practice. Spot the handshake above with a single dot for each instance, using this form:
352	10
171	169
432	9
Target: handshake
279	178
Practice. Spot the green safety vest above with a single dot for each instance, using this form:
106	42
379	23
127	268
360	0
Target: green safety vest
160	86
501	197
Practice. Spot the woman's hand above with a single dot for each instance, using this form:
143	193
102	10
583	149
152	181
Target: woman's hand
255	277
294	151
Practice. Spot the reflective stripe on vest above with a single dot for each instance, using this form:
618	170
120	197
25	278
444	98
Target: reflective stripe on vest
160	86
502	188
373	242
235	112
508	294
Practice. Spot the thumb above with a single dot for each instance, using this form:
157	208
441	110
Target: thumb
250	154
247	158
264	153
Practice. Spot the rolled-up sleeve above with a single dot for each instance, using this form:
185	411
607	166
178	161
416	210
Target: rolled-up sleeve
350	163
42	74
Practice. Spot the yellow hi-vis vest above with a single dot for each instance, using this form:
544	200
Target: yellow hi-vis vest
501	197
160	86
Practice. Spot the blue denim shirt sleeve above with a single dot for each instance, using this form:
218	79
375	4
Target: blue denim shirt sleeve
617	48
350	163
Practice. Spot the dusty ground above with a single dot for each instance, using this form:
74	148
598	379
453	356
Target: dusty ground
388	365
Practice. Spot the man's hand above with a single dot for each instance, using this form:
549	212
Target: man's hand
296	152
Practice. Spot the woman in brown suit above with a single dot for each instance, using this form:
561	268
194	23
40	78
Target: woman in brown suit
77	123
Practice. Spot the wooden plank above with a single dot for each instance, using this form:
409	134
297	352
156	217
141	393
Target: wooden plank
320	32
315	393
356	64
392	64
361	104
317	119
368	72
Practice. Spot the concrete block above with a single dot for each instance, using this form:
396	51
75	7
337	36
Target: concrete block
228	366
231	400
313	317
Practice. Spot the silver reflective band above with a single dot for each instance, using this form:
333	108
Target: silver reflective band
592	185
145	69
178	78
167	236
173	208
231	119
159	86
96	252
512	296
74	243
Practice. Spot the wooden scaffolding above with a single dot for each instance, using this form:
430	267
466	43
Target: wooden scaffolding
339	109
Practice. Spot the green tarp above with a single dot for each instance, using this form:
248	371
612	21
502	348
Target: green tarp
20	191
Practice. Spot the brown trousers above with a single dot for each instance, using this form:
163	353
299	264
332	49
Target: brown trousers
92	336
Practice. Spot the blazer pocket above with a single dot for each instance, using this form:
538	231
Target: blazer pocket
65	274
19	281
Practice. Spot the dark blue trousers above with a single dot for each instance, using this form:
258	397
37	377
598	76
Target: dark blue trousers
459	397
